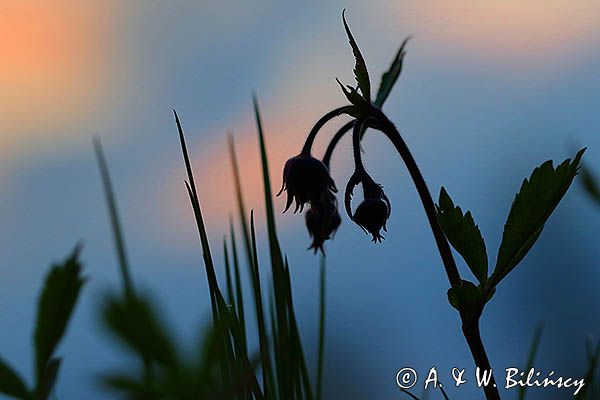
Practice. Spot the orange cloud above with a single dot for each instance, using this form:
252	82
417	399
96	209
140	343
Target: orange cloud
57	66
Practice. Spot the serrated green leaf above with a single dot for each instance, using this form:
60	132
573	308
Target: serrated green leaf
55	306
538	197
360	67
11	383
463	235
389	78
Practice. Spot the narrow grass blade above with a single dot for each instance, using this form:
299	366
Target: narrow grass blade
238	286
260	319
239	195
296	343
283	343
216	296
535	344
114	219
443	392
409	394
191	188
228	280
270	211
321	349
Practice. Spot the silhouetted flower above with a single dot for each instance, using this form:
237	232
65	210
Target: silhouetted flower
372	214
322	221
306	180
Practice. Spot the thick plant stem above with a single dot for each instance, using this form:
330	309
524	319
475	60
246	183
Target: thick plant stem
388	128
473	337
470	326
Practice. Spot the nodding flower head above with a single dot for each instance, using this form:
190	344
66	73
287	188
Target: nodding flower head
372	214
306	180
322	221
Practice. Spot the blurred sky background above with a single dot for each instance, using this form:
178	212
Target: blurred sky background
489	90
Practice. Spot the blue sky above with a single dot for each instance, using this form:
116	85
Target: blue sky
487	93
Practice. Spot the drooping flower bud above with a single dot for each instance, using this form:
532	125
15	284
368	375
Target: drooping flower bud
306	180
372	214
322	221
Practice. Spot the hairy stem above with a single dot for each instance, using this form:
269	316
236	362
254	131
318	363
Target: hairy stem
470	325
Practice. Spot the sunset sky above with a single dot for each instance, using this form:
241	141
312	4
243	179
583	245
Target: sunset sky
489	90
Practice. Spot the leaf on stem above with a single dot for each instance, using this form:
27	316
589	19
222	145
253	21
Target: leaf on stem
55	306
538	197
351	94
360	68
11	383
464	235
466	298
389	78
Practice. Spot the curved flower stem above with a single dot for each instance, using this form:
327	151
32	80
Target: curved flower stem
388	128
324	119
359	127
335	140
470	324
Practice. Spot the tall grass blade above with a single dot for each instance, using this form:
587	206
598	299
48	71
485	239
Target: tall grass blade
239	196
114	219
296	343
321	349
206	254
269	208
228	279
409	394
268	381
283	349
238	288
535	344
